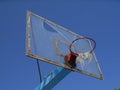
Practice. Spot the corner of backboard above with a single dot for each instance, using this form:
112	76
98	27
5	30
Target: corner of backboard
101	77
29	54
28	12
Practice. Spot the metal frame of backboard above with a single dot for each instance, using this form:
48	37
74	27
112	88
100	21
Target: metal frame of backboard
29	54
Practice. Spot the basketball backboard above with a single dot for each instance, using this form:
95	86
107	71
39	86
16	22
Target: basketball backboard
50	43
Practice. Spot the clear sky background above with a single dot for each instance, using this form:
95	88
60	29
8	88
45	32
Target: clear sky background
99	19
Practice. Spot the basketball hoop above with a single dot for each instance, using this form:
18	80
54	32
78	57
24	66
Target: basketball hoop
72	58
90	39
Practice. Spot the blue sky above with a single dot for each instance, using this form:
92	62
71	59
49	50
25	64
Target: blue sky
97	19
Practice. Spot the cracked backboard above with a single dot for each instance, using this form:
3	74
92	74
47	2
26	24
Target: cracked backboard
50	43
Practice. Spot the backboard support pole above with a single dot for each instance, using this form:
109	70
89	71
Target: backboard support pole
53	78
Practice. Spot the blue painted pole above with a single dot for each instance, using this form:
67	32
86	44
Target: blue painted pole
53	79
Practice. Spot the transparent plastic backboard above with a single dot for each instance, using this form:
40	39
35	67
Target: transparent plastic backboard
50	42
